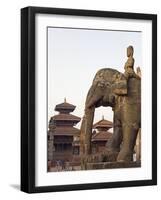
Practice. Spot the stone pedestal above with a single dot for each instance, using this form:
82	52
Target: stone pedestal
112	165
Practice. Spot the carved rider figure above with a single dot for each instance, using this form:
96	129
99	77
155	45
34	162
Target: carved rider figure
129	65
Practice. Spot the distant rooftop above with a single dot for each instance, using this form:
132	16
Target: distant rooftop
66	117
65	107
66	130
101	136
103	123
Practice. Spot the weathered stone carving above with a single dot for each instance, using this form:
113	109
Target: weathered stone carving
122	93
129	65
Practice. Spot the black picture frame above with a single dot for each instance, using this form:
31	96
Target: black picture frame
28	98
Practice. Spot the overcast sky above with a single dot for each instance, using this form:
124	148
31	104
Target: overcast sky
74	57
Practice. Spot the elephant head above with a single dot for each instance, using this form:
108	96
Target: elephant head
107	84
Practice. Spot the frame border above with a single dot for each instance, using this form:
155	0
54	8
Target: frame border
28	98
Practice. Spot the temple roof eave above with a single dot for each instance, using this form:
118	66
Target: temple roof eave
70	131
101	136
66	117
65	106
103	124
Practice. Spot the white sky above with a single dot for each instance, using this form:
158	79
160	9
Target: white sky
75	55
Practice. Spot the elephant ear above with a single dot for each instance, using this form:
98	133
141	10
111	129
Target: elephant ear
120	85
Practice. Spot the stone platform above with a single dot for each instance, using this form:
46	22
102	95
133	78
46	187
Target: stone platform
112	165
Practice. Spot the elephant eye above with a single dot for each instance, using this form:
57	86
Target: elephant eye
108	84
101	84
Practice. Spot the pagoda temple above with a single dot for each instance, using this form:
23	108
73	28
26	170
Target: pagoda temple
101	135
63	134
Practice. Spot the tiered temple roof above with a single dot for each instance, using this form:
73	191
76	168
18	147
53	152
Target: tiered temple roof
62	123
66	130
101	136
102	133
62	117
65	107
103	123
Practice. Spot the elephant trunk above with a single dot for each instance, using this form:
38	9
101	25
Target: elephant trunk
89	116
86	135
82	138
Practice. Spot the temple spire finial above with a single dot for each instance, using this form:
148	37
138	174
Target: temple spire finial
65	100
102	117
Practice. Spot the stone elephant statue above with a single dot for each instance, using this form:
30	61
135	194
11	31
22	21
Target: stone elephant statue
112	88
